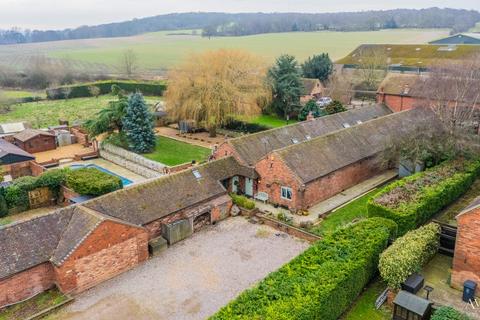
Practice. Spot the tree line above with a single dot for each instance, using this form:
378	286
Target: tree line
224	24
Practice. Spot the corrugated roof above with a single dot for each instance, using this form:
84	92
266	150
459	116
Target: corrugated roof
28	134
253	147
321	156
154	199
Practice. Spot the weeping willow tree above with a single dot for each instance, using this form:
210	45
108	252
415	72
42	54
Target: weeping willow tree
213	87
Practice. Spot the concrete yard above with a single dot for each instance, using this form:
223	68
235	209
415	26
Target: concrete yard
192	279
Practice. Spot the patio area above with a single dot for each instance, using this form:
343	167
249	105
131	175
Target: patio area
63	153
325	207
437	275
201	139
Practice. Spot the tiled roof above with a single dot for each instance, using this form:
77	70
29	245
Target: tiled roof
309	85
253	147
154	199
321	156
28	134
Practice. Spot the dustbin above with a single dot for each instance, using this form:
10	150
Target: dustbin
469	288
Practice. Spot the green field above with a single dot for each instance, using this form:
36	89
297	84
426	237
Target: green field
160	50
19	94
172	152
47	113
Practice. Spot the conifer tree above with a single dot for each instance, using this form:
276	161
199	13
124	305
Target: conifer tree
138	125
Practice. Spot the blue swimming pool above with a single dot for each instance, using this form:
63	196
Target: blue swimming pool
125	181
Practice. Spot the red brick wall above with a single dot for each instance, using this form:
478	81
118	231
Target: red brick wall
111	249
397	103
273	175
334	183
466	262
26	284
37	144
226	150
82	137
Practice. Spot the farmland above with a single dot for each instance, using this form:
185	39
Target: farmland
46	113
161	50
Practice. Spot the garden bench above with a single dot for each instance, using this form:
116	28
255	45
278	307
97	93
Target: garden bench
262	196
90	157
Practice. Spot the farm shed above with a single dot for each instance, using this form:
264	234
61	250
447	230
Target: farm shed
33	141
460	38
407	306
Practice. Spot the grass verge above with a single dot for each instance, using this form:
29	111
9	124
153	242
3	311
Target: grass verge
364	306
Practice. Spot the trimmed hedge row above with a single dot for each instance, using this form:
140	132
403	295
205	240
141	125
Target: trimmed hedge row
409	254
448	313
92	182
242	201
105	87
322	281
412	201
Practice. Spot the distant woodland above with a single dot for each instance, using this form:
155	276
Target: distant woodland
223	24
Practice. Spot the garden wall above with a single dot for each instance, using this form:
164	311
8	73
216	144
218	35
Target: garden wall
132	161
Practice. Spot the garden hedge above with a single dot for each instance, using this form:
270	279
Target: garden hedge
105	87
409	254
320	283
412	201
242	201
92	182
448	313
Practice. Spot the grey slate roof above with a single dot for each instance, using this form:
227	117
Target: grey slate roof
28	134
253	147
27	244
158	198
321	156
412	302
10	152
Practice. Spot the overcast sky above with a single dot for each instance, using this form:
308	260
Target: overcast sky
58	14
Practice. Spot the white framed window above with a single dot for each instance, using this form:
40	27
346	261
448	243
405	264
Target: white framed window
286	193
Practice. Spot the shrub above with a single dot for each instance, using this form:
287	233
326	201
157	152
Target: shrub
242	201
322	281
312	107
335	107
3	204
409	254
448	313
245	127
93	182
105	87
412	201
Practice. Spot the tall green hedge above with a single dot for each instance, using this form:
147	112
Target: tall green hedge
322	281
412	201
409	254
93	182
156	88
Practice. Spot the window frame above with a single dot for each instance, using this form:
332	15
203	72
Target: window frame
288	191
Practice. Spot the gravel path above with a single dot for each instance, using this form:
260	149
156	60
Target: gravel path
192	279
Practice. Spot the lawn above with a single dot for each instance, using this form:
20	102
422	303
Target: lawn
160	50
32	306
356	209
271	121
364	306
47	113
172	152
19	94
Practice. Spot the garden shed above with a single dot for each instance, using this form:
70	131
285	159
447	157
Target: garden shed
408	306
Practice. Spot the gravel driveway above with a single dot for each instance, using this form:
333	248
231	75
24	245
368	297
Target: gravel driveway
192	279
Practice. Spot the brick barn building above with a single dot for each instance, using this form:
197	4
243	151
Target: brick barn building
312	89
302	175
33	141
78	247
466	261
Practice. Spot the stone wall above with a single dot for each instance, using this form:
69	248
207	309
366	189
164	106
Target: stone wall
111	249
26	284
466	262
132	161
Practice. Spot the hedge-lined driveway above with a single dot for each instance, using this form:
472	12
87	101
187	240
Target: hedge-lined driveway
192	279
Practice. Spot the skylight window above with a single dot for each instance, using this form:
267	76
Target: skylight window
197	174
346	125
308	137
359	121
295	141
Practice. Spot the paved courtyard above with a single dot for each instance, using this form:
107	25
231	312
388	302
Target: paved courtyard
192	279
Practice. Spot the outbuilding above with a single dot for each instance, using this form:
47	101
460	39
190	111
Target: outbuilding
33	141
407	306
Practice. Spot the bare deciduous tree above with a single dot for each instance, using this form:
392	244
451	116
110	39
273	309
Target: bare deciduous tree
129	62
372	67
340	88
452	92
94	91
